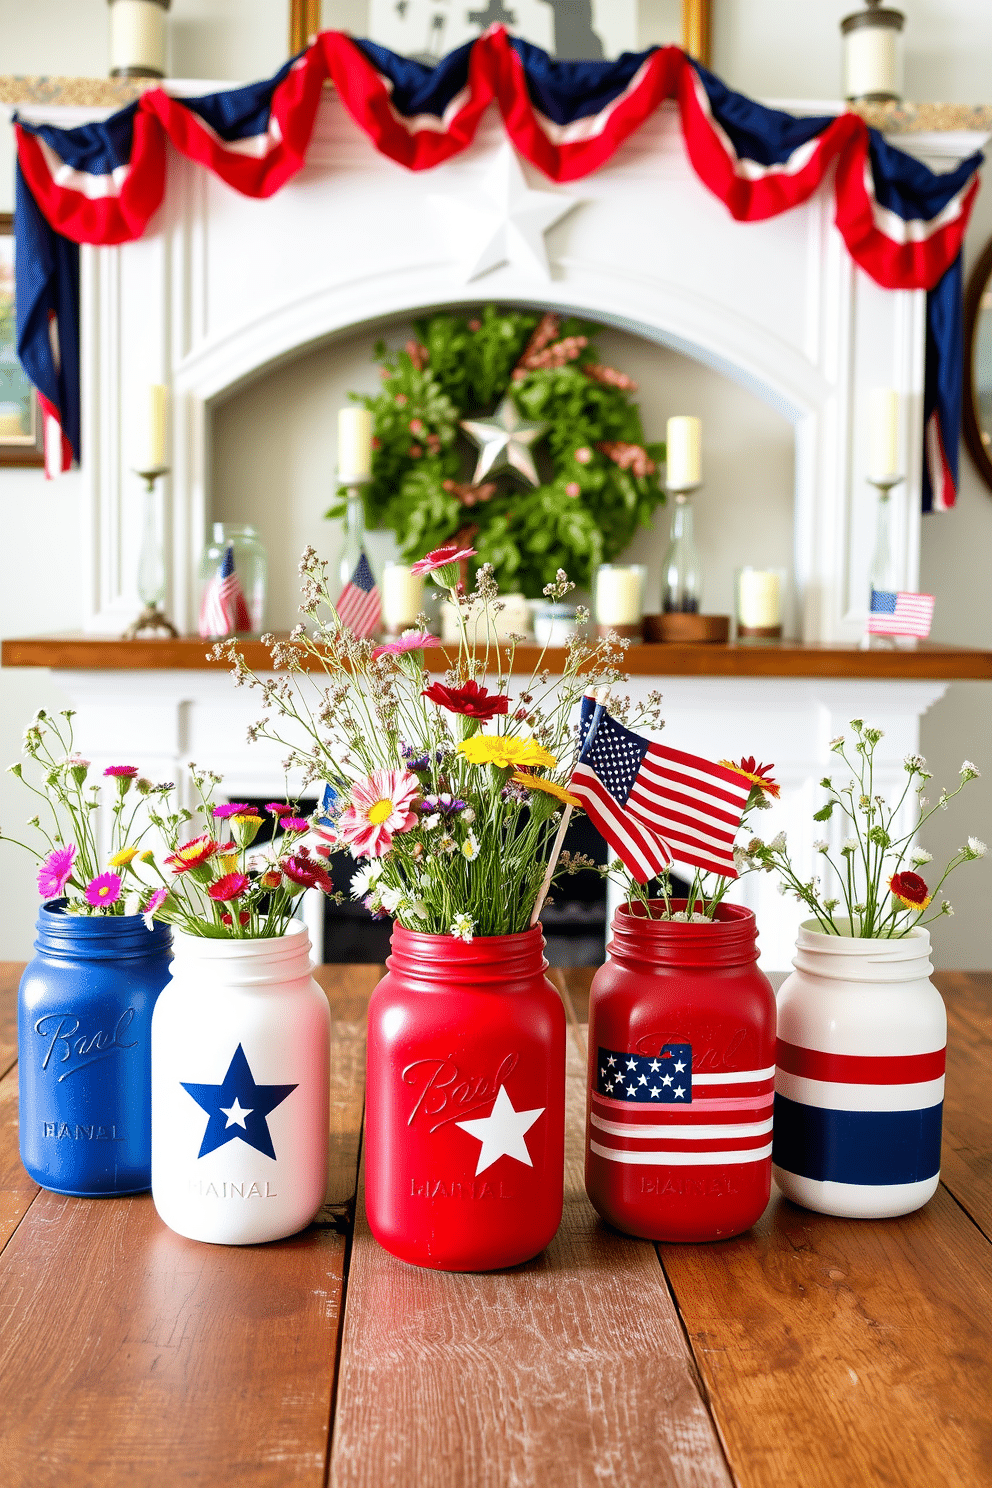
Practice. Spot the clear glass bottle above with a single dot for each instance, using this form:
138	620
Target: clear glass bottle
251	564
681	576
882	576
354	536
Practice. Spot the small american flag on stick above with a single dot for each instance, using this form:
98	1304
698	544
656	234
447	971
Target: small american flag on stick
656	805
900	613
224	610
358	606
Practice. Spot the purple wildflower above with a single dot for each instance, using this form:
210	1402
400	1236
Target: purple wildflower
444	804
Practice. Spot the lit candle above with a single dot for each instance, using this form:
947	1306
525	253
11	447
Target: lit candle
402	596
883	434
685	453
619	594
158	404
354	445
759	605
137	38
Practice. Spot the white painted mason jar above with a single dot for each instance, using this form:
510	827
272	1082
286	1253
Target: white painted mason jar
859	1079
240	1089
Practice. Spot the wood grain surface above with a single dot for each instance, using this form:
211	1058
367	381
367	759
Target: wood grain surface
10	977
966	1155
348	989
569	1370
928	660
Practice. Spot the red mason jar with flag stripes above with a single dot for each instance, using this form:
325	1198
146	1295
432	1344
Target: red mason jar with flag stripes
860	1078
681	1077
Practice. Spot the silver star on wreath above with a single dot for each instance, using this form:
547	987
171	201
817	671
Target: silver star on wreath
504	442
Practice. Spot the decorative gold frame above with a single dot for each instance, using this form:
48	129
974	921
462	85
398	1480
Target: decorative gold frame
304	22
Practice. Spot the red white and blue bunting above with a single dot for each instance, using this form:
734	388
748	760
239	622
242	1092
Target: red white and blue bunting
101	183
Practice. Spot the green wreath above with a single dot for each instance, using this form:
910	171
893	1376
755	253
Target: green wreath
594	481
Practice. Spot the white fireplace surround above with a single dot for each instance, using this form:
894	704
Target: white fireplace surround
222	288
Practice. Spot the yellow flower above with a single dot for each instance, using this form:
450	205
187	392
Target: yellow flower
147	856
505	752
548	787
123	858
227	863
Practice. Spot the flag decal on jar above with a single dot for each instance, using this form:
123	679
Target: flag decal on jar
238	1107
723	1119
852	1118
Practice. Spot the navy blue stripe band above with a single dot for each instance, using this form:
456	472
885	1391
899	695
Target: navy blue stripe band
877	1147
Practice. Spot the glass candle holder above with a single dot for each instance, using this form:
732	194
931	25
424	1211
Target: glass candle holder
619	599
760	599
238	607
402	597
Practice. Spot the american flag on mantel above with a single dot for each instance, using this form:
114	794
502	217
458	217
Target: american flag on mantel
656	805
224	610
359	606
900	613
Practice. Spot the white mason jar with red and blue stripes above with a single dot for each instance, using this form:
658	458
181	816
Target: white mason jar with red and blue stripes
859	1080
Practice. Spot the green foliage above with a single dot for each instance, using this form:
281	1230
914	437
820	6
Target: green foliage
527	534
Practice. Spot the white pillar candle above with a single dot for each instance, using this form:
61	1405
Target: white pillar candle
137	37
872	62
402	596
684	440
883	434
759	603
354	445
158	405
618	595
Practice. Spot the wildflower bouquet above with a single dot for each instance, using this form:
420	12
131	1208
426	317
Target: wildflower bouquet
206	885
447	792
881	894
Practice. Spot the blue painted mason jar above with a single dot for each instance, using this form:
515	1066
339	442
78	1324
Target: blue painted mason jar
84	1051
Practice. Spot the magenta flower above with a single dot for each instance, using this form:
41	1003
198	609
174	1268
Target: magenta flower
55	872
294	824
278	809
411	640
121	772
104	889
156	901
380	806
235	808
441	558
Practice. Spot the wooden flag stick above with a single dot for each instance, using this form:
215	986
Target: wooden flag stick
552	865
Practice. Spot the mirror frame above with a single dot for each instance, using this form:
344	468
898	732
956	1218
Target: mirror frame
979	280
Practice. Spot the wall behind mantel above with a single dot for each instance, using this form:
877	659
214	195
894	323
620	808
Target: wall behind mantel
274	455
768	48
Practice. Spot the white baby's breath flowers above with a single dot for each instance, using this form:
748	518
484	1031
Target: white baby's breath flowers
919	855
968	771
820	846
849	845
946	908
468	816
976	848
837	744
777	843
914	762
462	927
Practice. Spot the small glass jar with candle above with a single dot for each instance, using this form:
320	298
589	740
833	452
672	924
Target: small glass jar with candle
873	54
138	38
760	597
402	594
619	599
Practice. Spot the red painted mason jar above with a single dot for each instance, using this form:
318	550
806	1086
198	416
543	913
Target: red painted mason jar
465	1101
681	1077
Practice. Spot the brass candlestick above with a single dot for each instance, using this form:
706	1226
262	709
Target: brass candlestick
151	567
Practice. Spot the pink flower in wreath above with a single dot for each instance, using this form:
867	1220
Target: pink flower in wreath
573	489
55	871
381	807
583	454
440	558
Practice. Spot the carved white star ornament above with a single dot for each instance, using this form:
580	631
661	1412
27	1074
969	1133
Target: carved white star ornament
503	220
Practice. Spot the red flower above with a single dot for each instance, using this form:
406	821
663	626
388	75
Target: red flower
121	772
309	875
471	699
910	889
231	886
243	918
193	854
757	774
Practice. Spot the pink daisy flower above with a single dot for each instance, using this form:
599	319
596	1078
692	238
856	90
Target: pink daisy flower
294	824
278	809
231	886
55	871
104	889
441	558
235	808
121	772
156	901
381	806
411	640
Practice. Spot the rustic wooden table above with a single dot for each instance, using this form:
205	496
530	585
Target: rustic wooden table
810	1351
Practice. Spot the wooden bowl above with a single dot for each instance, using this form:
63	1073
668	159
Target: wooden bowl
675	626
